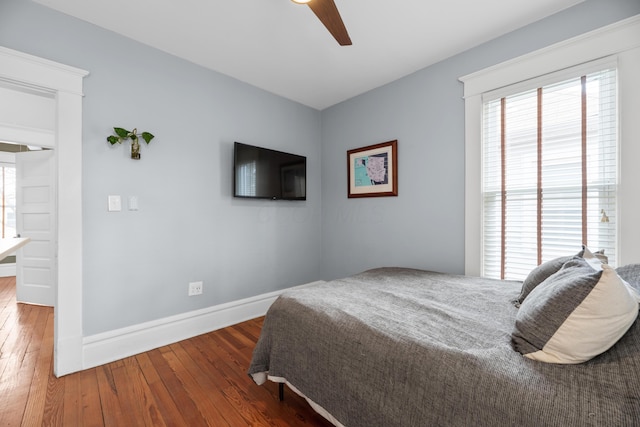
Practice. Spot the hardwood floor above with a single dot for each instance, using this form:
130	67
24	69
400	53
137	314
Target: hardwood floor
197	382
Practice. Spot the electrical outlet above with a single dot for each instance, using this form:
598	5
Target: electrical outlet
195	288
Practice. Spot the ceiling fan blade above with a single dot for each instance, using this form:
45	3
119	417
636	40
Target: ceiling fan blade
327	13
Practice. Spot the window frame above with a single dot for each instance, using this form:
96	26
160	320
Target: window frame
589	192
619	42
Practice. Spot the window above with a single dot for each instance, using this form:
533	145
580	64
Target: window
614	46
8	200
549	175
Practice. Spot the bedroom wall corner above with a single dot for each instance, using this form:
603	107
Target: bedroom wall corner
188	227
424	227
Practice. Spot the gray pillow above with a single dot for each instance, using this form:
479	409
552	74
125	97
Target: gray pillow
541	273
574	315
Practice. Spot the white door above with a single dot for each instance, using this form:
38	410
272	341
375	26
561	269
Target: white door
35	218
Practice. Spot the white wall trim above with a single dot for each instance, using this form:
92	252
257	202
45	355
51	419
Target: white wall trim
28	136
117	344
8	269
25	69
621	39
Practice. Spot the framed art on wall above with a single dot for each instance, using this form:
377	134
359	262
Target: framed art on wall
372	171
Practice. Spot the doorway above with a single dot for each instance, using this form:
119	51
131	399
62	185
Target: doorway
58	87
27	212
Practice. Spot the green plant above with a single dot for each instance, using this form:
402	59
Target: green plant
123	134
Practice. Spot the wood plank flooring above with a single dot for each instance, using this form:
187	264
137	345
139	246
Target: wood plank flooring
197	382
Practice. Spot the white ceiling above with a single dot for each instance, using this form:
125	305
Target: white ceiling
283	48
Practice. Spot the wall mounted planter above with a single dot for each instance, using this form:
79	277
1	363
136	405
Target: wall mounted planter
123	134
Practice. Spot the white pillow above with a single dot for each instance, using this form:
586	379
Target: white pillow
593	260
575	314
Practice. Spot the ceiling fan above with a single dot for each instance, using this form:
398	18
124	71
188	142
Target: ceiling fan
327	13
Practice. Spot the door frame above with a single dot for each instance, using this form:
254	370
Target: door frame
65	84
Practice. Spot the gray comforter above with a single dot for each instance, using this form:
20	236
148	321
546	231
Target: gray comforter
403	347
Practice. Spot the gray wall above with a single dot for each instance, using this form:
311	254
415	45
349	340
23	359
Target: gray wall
424	226
189	227
137	264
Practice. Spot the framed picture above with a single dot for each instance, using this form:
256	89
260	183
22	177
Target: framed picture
373	171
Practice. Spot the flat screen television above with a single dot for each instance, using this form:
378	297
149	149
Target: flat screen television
262	173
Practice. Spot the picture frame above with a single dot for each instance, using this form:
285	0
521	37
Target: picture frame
372	171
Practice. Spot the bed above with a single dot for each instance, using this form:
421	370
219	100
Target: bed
407	347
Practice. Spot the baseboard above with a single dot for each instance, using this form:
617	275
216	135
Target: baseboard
7	270
117	344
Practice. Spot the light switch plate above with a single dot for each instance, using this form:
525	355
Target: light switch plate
133	203
115	203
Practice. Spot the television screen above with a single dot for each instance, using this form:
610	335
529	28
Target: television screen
262	173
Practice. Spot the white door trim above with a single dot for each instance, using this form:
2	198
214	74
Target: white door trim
65	83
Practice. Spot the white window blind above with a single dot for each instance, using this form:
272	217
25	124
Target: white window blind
246	178
549	173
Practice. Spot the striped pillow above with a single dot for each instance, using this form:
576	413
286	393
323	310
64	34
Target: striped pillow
575	314
541	273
